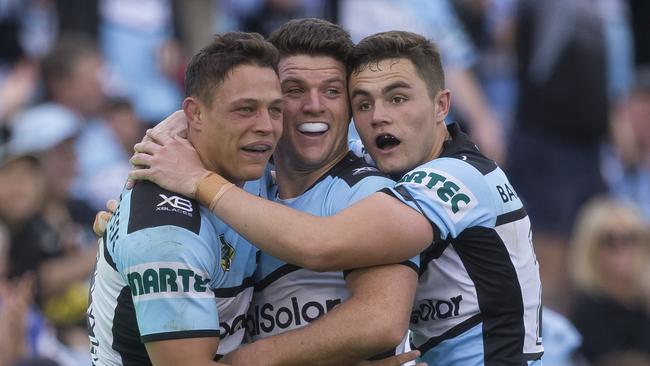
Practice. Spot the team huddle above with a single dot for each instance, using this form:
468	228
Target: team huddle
320	256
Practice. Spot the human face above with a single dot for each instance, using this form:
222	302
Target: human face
316	113
620	251
23	187
400	124
235	135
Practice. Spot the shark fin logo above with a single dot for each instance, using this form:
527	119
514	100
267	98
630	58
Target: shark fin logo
227	253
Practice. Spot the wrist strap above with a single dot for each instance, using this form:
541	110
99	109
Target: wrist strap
210	189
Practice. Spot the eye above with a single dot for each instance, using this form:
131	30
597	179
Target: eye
332	92
293	91
275	110
245	109
398	99
363	106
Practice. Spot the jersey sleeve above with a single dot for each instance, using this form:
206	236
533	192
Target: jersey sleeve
169	271
450	193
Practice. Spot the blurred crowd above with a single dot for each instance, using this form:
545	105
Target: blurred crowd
556	91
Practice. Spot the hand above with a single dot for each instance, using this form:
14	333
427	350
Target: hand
174	125
396	360
102	217
169	161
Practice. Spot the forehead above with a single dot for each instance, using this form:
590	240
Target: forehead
311	68
248	82
377	74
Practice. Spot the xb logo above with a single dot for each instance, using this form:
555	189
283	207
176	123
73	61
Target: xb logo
176	202
227	253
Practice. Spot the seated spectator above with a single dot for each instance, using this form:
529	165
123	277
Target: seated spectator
46	226
609	252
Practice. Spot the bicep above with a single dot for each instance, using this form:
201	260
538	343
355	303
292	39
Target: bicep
185	351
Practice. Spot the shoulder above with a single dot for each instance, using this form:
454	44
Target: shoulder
151	206
352	170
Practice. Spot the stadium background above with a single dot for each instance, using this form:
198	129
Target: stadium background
556	91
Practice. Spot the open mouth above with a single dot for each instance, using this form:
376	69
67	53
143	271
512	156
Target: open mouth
386	141
313	128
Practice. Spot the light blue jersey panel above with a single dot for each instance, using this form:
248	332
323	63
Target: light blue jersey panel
167	269
287	296
451	194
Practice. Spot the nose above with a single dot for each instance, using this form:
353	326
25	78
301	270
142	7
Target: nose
313	103
264	123
380	115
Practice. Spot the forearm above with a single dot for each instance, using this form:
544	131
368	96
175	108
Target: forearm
377	230
373	320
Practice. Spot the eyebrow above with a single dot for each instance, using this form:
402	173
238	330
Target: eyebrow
395	85
335	79
387	89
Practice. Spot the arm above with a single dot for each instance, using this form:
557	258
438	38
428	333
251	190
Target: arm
365	234
374	319
188	351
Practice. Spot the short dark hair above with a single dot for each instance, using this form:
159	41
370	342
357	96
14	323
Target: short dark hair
400	44
312	36
209	67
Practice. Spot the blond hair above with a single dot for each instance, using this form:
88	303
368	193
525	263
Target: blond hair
596	218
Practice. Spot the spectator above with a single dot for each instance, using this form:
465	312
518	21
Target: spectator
626	164
562	119
609	252
46	238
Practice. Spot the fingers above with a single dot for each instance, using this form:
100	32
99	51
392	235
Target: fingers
130	183
405	357
148	147
111	205
141	160
160	137
101	221
140	174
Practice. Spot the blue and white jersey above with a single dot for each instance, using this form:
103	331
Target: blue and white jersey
287	296
167	268
478	300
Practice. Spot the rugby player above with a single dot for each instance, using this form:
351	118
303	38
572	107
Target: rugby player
162	289
316	173
478	297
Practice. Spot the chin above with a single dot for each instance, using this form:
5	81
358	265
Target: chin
251	173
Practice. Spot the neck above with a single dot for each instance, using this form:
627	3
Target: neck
437	147
293	181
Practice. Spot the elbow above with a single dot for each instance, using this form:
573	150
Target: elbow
320	253
319	259
394	336
388	335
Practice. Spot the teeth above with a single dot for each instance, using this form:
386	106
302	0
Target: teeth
313	127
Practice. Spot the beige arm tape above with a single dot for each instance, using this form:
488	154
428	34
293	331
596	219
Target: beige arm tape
210	189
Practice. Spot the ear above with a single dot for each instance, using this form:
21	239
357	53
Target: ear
443	103
193	111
